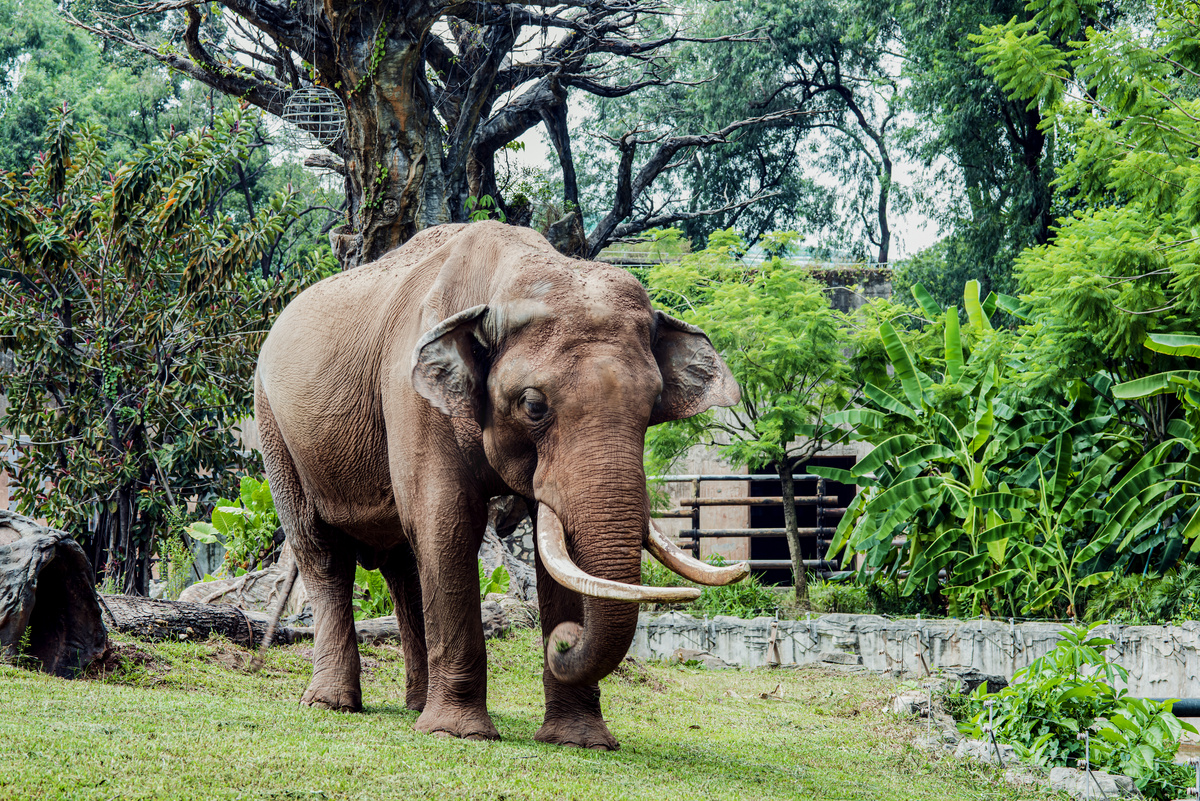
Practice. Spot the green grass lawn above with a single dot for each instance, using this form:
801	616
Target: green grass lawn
191	723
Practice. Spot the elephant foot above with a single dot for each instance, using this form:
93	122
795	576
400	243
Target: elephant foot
466	724
579	732
337	699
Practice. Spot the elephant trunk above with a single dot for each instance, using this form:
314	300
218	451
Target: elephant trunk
590	530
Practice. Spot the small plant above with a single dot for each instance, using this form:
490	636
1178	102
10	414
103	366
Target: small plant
484	208
371	595
496	581
839	597
1070	690
1148	600
175	554
245	526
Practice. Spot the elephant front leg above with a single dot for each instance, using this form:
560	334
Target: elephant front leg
456	698
328	572
573	714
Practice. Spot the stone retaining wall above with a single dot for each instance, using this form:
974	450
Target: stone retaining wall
1163	661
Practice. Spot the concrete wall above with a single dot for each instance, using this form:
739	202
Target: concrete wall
1163	661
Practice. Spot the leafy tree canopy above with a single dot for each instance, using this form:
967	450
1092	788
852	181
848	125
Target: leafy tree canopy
133	315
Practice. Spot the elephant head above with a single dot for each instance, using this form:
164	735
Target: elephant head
563	372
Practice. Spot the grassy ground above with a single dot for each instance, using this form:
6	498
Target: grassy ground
190	723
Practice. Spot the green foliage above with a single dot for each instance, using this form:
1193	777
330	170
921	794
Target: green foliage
783	343
746	598
133	320
841	597
1148	600
246	526
1123	262
496	581
1073	689
371	595
987	160
175	553
997	495
483	208
779	336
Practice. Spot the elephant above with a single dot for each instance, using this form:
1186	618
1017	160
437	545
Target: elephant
475	361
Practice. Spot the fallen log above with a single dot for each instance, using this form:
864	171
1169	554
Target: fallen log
147	619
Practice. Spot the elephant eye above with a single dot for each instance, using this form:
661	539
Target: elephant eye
535	408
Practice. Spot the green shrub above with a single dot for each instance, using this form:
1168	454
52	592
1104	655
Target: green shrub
746	598
1148	600
246	526
839	597
371	595
1070	690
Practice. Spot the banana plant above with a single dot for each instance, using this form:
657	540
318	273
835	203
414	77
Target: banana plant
1158	501
929	500
940	491
1053	550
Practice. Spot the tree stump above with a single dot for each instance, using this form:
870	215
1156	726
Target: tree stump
49	612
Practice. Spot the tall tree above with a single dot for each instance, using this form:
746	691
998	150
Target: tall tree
989	157
827	168
132	315
431	92
784	344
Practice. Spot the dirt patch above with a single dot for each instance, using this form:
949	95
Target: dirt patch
123	658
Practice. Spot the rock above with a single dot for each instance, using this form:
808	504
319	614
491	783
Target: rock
1076	782
495	622
1024	775
520	614
49	611
985	751
840	658
970	678
914	702
522	581
706	660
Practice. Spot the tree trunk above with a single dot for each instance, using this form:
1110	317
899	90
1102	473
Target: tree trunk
392	148
885	188
793	530
147	619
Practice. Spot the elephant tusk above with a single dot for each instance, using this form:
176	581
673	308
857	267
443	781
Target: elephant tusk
689	567
552	546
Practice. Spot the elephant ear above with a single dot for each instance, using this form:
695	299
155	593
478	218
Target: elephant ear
447	367
694	375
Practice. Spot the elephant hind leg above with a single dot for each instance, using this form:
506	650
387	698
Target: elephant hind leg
326	560
404	581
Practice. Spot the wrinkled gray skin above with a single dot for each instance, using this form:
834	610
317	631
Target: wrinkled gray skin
395	399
